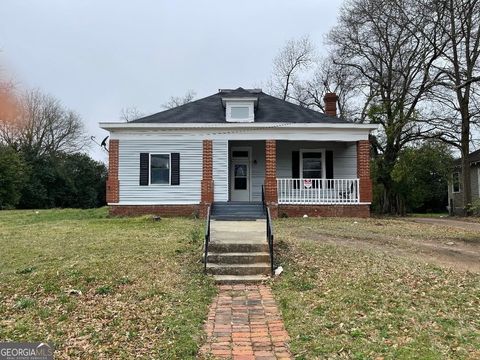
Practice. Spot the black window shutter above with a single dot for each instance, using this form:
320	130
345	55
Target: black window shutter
175	170
329	167
144	168
329	164
296	168
295	164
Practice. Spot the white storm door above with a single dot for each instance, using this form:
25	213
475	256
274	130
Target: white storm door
240	176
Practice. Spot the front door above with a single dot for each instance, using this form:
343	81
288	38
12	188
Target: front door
240	175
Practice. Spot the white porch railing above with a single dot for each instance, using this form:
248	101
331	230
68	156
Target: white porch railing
318	191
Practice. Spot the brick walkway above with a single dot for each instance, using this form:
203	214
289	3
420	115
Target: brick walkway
245	323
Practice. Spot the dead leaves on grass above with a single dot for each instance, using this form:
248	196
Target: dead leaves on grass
110	288
340	303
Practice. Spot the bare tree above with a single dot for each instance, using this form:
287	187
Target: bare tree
297	55
456	101
130	113
175	101
330	78
45	126
395	63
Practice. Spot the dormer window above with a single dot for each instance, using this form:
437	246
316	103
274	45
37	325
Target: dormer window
239	111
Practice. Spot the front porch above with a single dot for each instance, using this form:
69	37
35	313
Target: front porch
308	172
318	178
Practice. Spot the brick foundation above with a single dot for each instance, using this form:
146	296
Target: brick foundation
113	192
361	211
161	210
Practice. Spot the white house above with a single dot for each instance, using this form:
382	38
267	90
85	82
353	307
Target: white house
240	145
455	188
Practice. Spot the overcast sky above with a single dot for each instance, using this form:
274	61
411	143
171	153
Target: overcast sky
98	57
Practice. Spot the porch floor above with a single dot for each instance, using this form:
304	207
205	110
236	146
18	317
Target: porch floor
237	210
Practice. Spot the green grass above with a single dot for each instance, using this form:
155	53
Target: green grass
358	303
103	287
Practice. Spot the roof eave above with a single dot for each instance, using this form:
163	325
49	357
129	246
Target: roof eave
151	126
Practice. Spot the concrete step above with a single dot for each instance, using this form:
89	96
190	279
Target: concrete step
246	217
239	269
238	258
218	205
238	247
239	206
237	211
238	203
233	279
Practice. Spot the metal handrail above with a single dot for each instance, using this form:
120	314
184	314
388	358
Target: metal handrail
266	210
270	238
263	201
207	240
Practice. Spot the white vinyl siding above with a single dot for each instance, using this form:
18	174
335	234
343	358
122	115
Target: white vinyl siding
220	170
188	192
191	160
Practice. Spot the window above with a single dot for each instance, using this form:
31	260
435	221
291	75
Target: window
240	112
478	181
240	154
456	182
312	165
240	177
160	169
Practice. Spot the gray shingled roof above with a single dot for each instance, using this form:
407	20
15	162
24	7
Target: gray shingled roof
474	157
211	110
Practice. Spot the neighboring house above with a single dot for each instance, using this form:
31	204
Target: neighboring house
230	146
455	189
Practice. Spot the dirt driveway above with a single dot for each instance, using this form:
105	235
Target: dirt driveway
466	225
444	242
461	255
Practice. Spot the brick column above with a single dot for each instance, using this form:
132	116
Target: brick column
363	170
207	189
113	192
271	195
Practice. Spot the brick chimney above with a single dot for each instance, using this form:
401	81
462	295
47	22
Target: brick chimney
330	100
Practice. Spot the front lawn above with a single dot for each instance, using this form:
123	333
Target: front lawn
342	299
103	287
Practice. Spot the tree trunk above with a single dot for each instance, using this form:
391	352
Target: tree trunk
466	184
465	143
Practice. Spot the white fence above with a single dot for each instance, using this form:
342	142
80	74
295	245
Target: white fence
318	191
